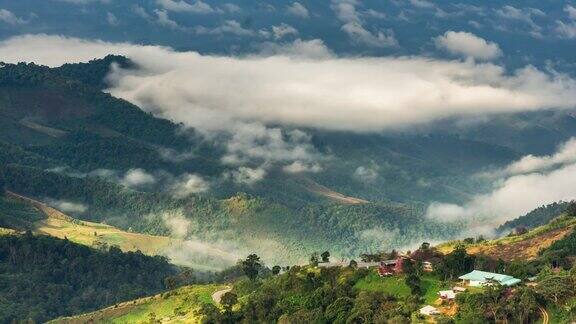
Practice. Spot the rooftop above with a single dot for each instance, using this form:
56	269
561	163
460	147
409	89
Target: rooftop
484	276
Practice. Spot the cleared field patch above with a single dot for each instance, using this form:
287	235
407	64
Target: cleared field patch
520	247
57	224
176	306
393	285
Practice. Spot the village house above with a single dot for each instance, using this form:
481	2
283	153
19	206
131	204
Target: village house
391	267
427	266
429	310
479	278
447	295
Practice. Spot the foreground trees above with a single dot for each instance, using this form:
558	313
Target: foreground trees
42	277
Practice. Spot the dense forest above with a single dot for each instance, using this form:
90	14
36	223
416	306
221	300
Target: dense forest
346	229
307	294
537	217
43	277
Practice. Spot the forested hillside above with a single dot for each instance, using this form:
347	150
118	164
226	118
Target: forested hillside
64	140
43	277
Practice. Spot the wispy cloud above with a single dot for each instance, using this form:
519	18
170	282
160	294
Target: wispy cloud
531	182
468	45
353	26
297	9
183	6
8	17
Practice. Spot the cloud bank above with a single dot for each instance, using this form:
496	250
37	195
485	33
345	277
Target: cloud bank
355	94
532	182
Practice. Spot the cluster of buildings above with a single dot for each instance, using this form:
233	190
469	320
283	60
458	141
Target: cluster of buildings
475	278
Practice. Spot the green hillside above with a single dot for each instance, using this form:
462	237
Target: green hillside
60	135
44	277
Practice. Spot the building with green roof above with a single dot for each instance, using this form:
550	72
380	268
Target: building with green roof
480	278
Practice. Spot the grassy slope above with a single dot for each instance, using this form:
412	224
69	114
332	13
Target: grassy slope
177	306
520	247
57	224
396	286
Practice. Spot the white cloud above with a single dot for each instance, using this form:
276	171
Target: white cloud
566	30
228	27
67	206
141	12
571	11
248	176
164	20
298	10
8	17
183	6
468	45
256	142
374	14
525	15
366	173
137	178
188	184
566	154
308	49
300	167
216	93
178	225
535	181
232	8
283	30
422	4
83	2
353	26
112	19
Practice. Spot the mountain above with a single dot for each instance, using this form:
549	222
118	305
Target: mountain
66	140
309	293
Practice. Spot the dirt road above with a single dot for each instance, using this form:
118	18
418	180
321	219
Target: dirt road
218	295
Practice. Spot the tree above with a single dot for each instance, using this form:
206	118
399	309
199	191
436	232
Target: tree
408	266
276	269
314	259
353	264
571	210
456	263
425	246
414	283
338	311
524	305
556	288
251	266
228	300
325	256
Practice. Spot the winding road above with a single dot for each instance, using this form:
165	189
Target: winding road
216	296
545	317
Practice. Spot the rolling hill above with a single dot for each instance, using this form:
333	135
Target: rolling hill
64	139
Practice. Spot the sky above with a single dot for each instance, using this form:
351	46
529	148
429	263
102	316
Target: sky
260	73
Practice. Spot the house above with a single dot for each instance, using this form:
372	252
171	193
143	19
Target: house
478	278
447	295
341	263
427	266
390	267
457	289
385	270
429	310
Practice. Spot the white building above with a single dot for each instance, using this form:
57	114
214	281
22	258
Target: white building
429	310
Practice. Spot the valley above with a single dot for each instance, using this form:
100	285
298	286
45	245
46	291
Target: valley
289	162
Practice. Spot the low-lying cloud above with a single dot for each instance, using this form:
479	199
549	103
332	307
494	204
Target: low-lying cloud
357	94
67	206
530	182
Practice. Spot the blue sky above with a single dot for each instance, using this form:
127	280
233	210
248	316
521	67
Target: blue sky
528	32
